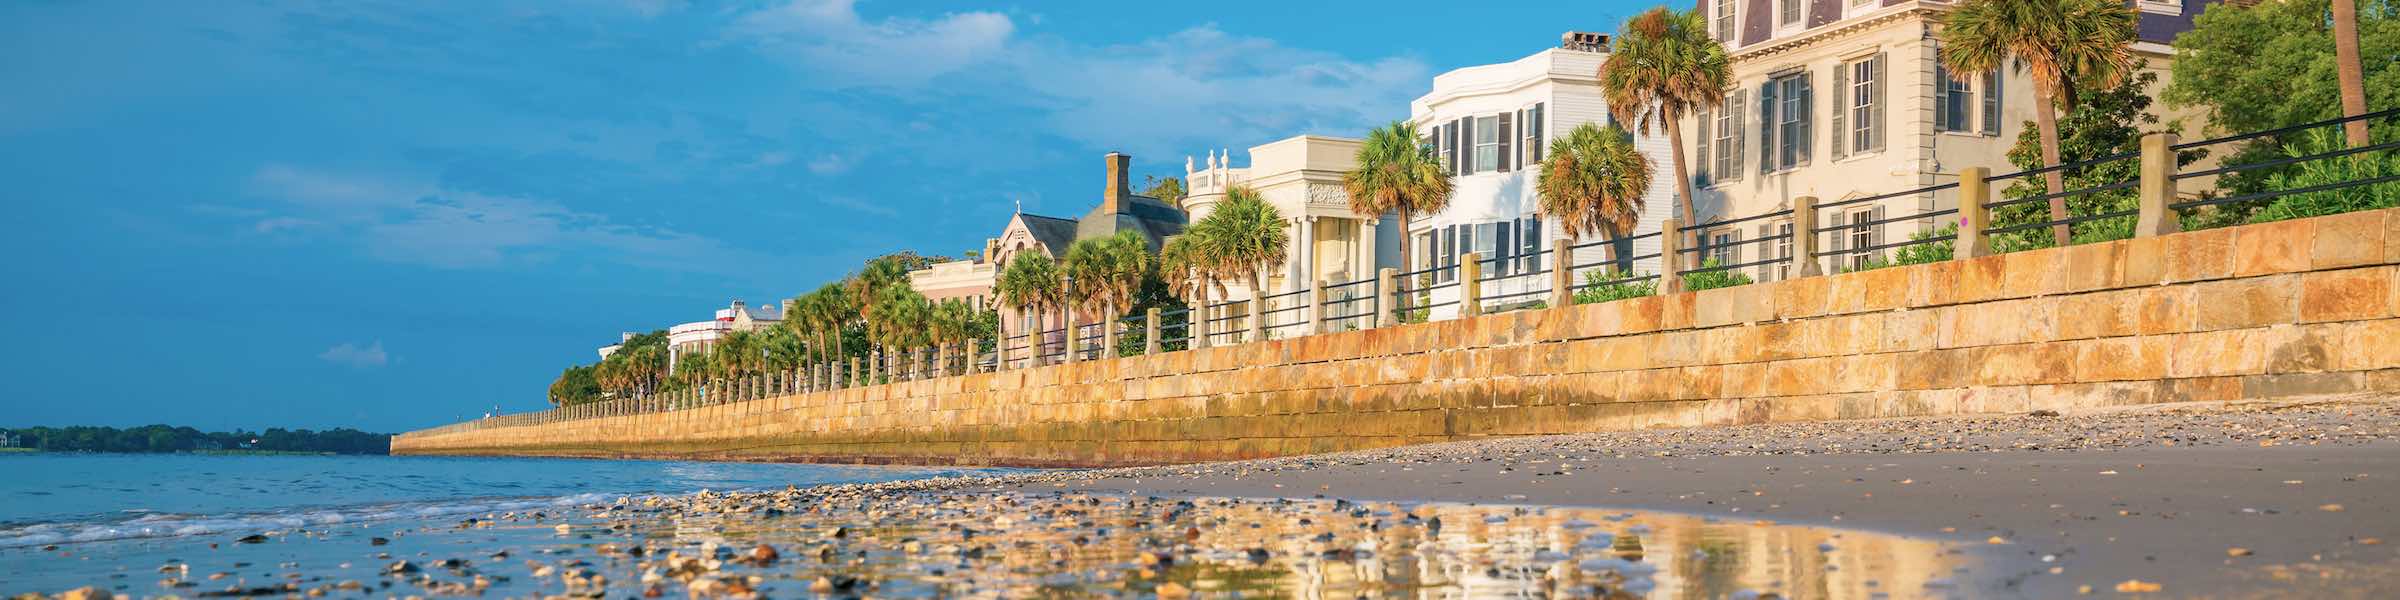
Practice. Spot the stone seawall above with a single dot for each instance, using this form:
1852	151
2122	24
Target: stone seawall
2289	308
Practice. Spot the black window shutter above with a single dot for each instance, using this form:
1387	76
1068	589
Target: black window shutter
1466	146
1766	128
1700	174
1991	102
1541	141
1883	97
1741	114
1457	163
1504	145
1941	97
1806	138
1841	105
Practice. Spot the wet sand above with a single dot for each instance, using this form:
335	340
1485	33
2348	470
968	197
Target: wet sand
2288	499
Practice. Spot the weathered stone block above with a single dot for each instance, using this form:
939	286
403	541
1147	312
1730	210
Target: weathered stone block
2099	314
2251	302
1908	330
2301	384
1799	298
2368	345
2270	248
1932	284
2299	348
2040	272
2349	239
2119	359
2095	266
2346	295
1677	310
1982	278
2165	310
2199	255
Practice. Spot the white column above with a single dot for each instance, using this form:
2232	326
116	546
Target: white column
1303	273
1365	267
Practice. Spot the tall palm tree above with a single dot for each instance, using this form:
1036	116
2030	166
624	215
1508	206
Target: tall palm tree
2354	79
1105	273
1665	65
950	323
736	354
2063	44
1179	265
1031	284
1592	181
1244	235
1397	172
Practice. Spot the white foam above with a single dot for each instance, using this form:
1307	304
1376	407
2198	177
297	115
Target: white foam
161	525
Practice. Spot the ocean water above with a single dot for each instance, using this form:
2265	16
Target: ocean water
48	499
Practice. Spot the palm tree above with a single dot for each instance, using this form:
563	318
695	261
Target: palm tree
1105	273
822	315
1243	235
1397	173
736	354
950	323
1031	284
1664	66
2354	80
1592	181
2062	43
1179	264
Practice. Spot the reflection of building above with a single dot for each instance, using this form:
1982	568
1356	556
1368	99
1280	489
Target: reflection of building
969	281
1119	210
1301	177
1842	100
1492	124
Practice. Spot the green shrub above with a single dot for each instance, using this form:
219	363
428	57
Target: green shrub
2328	171
1915	254
1709	280
1604	292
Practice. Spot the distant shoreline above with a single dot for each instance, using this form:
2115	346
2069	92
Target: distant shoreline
234	452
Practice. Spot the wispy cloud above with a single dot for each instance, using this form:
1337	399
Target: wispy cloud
829	35
406	221
352	355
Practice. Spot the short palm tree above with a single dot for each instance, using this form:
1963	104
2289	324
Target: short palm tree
1031	285
2063	44
1663	66
1397	173
735	354
1244	235
949	324
1179	265
1592	181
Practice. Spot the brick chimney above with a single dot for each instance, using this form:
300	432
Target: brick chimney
1117	199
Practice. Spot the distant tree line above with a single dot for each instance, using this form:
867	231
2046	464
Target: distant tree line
161	438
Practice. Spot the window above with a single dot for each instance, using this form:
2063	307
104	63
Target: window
1953	102
1863	85
1448	256
1529	244
1725	22
1531	125
1784	113
1991	102
1783	250
1720	247
1503	243
1789	14
1487	144
1863	234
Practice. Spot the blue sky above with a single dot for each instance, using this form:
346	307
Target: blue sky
393	215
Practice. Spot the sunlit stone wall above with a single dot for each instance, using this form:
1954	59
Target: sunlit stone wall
2299	307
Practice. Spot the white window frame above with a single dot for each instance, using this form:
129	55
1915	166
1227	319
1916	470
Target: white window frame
1783	250
1725	130
1862	105
1788	118
1861	235
1959	89
1727	24
1797	10
1486	125
1720	246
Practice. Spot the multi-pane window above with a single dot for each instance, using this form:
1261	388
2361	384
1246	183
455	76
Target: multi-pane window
1789	12
1862	104
1529	244
1787	112
1862	235
1953	102
1783	250
1725	21
1991	102
1531	127
1487	144
1720	247
1728	128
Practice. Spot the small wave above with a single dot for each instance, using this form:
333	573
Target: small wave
164	525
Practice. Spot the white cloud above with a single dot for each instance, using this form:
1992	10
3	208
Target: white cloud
352	355
275	224
830	164
1199	87
421	223
830	35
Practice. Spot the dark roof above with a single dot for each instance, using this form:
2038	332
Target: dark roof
1054	233
1154	218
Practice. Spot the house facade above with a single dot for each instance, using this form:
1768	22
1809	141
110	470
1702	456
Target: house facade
1119	210
968	281
1491	125
1301	176
700	336
1846	99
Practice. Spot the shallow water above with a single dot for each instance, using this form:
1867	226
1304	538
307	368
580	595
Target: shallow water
48	498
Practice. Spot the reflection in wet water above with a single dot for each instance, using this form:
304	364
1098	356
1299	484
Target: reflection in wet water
1008	545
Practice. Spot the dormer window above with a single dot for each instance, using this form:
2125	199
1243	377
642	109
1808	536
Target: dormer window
1725	22
1788	13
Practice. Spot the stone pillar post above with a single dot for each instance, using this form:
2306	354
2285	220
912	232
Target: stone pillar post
1074	345
1670	256
1385	278
1974	191
1562	272
1198	319
1258	316
1470	284
2157	187
1150	341
1316	310
1804	237
1108	335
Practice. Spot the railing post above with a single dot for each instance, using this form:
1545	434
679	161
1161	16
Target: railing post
1385	316
1470	284
852	376
2158	187
1150	341
1073	344
1670	256
1198	330
1258	316
1108	335
1316	310
1804	238
1562	272
1974	191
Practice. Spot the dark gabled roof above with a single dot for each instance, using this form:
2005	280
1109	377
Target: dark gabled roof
1154	218
1054	233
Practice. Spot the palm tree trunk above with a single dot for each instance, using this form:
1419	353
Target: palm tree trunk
1404	255
2354	86
1683	174
2045	118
